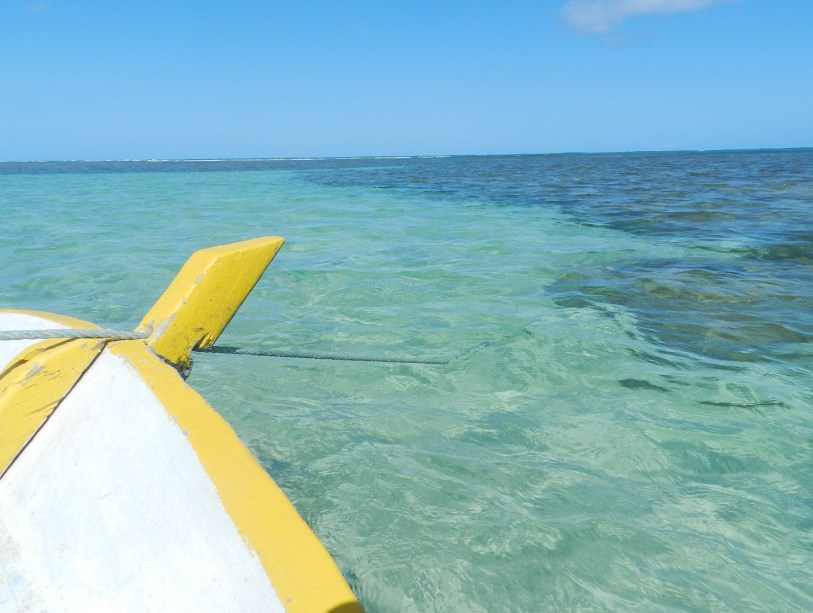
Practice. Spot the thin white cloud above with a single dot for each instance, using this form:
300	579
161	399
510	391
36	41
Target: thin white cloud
599	16
39	7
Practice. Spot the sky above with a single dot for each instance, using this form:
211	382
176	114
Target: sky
82	79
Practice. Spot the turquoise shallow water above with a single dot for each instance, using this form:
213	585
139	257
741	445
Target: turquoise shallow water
626	421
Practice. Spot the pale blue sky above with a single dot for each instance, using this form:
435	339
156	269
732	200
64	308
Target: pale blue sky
108	80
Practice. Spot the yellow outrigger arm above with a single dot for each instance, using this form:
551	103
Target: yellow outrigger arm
191	314
204	297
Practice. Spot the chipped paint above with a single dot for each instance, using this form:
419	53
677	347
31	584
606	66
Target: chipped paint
35	385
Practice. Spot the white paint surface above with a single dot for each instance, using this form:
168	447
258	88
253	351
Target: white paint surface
21	321
108	509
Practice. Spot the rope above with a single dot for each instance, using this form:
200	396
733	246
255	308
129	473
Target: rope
316	356
119	335
28	335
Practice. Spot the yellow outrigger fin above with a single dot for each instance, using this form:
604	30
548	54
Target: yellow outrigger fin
204	296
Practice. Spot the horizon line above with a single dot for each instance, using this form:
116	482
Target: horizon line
402	157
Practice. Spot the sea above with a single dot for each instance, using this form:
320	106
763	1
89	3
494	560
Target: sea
622	415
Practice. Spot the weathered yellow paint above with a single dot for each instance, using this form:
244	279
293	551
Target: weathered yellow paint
191	314
300	569
64	320
205	295
34	384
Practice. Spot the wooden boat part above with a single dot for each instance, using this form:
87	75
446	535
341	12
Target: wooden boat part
33	387
124	490
205	295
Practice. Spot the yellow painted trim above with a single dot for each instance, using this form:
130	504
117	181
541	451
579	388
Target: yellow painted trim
64	320
205	295
300	569
33	385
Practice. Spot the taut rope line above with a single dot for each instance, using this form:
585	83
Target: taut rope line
70	333
307	355
121	335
